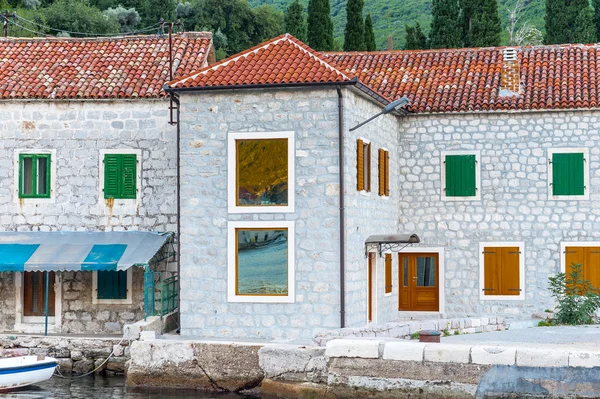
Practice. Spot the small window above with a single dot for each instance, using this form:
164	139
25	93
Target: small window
261	262
34	175
388	273
589	258
112	284
363	166
384	172
261	172
120	176
568	174
460	176
502	271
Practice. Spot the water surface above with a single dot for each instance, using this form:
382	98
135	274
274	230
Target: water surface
104	388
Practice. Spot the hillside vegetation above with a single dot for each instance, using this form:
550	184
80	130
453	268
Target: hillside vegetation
391	16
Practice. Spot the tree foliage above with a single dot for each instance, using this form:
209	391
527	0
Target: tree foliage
354	37
481	23
577	300
78	16
445	31
128	18
370	44
569	21
521	33
295	21
415	38
320	26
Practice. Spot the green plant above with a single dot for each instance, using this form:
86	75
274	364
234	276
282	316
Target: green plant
545	323
414	335
456	332
577	300
445	330
548	311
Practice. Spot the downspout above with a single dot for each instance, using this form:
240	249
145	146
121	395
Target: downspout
342	208
175	98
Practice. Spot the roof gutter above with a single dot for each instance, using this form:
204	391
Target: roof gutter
342	208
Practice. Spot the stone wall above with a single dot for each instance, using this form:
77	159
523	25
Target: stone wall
77	131
514	204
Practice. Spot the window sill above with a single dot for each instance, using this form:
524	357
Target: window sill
260	299
127	301
365	193
502	297
388	294
461	199
584	197
261	209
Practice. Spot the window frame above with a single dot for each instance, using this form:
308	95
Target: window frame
563	249
367	164
35	177
384	191
391	276
477	196
586	173
138	179
521	246
232	296
232	172
51	179
126	301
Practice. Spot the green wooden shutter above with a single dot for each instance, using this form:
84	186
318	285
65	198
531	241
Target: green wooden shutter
112	284
460	176
129	188
568	174
112	165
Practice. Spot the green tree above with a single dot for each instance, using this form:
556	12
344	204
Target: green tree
415	38
481	23
585	29
445	31
268	23
569	21
128	18
295	21
369	35
320	26
596	4
354	36
78	16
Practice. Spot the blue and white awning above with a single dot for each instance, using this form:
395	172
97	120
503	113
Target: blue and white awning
78	250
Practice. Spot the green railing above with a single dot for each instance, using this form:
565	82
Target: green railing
169	291
149	296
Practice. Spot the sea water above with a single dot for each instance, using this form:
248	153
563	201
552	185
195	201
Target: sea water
105	388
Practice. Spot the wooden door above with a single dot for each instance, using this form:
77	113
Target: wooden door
34	294
370	288
418	282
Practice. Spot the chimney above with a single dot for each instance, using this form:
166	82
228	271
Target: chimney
510	77
390	43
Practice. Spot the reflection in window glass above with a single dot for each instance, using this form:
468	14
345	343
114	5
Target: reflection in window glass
262	172
425	271
262	262
42	170
27	176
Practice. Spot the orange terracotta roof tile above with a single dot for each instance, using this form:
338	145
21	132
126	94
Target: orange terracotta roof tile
98	68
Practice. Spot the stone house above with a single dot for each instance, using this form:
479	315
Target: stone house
88	178
462	203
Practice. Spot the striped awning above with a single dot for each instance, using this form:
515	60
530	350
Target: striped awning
78	250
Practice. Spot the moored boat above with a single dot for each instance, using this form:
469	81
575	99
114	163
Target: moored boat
17	372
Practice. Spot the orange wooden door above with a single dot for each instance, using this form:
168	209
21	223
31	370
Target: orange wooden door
370	290
419	279
34	294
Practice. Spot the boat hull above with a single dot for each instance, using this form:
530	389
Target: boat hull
22	371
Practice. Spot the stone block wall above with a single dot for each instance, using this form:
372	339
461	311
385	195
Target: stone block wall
77	131
514	203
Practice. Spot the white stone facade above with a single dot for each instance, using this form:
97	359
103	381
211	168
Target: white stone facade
78	132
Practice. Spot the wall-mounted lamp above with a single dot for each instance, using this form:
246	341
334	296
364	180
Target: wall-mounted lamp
399	103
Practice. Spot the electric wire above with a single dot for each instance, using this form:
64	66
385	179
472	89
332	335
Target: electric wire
142	30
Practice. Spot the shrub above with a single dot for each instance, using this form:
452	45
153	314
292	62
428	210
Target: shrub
577	300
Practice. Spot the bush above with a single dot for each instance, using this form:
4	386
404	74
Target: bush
577	299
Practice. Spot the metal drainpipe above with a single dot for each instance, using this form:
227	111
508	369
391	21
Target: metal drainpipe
175	98
342	208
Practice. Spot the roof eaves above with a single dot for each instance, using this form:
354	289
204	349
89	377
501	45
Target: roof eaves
168	89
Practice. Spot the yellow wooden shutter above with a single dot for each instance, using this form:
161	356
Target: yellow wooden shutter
360	165
591	267
510	284
388	273
573	255
491	270
368	166
381	167
387	173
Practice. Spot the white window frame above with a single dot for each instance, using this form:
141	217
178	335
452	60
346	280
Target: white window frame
231	256
232	175
35	324
374	293
521	246
126	301
16	166
477	196
120	202
586	173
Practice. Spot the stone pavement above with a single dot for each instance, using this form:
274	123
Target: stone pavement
581	337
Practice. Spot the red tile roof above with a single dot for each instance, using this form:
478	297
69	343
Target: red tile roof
98	68
282	60
552	77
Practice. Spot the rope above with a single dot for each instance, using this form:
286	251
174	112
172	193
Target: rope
58	373
146	29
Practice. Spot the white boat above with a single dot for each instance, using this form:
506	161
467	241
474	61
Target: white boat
17	372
